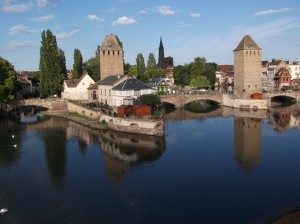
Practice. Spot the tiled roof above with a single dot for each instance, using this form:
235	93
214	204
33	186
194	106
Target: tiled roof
71	83
247	43
109	80
131	84
225	68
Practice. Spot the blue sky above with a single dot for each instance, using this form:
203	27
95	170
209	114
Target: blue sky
189	28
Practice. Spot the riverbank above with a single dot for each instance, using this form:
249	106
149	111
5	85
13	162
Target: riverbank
87	122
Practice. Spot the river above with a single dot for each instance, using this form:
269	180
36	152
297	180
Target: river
223	166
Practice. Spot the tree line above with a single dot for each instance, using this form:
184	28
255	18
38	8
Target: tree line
53	71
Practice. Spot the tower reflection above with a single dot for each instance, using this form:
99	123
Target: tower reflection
247	141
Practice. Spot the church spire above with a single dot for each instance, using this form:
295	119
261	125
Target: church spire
161	54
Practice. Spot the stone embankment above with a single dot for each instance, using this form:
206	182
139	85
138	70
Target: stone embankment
98	120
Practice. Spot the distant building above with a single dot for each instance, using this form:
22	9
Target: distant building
282	79
273	68
162	85
77	89
294	67
247	68
165	63
111	57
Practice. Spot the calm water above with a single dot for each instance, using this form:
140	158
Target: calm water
225	166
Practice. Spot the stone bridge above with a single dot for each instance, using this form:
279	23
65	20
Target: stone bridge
48	104
179	100
289	95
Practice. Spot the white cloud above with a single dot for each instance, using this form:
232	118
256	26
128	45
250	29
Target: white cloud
42	19
271	11
124	20
165	10
18	8
94	18
195	15
144	11
64	35
21	29
17	45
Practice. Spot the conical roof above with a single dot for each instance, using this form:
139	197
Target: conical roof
110	43
247	43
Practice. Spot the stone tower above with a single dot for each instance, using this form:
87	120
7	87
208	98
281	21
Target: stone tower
111	57
247	68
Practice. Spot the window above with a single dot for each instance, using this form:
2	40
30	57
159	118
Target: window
137	92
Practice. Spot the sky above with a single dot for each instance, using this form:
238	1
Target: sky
189	28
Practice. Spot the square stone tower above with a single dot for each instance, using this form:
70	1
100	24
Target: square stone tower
247	68
111	57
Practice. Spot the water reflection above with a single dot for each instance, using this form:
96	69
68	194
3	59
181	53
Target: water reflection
9	143
247	141
120	150
124	149
286	117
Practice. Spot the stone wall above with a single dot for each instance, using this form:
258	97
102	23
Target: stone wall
256	104
138	126
84	111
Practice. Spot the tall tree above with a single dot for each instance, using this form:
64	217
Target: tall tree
77	66
198	67
182	74
140	68
210	73
7	80
62	62
151	63
51	73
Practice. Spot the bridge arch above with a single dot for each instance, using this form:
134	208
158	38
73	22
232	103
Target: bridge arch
179	100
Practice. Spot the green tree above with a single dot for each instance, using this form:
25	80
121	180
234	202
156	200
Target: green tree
198	67
51	73
7	80
182	74
133	70
77	66
150	99
140	68
155	73
151	63
200	82
210	73
92	65
62	62
127	68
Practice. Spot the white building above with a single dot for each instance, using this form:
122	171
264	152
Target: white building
294	68
76	89
130	88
